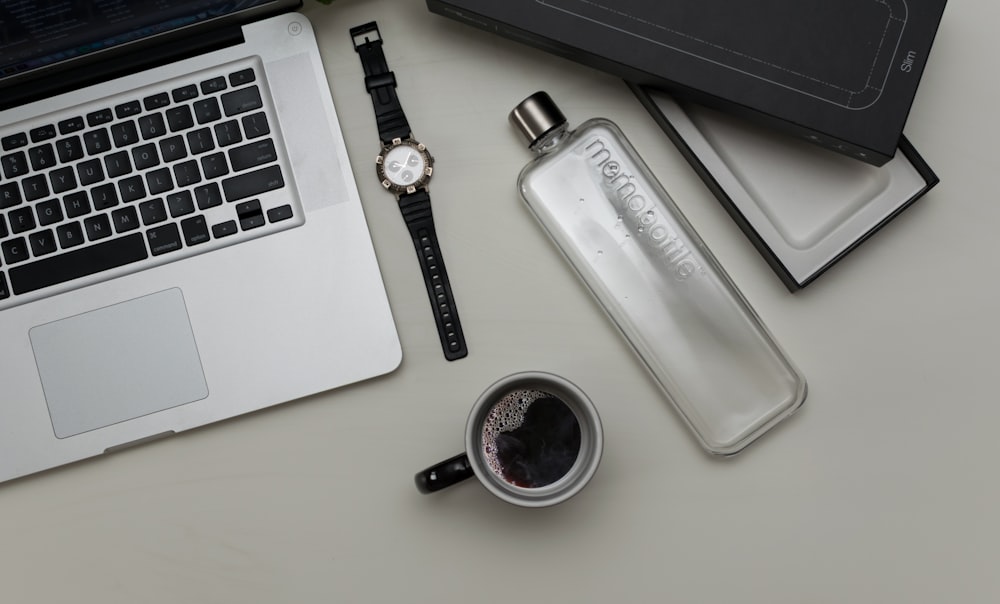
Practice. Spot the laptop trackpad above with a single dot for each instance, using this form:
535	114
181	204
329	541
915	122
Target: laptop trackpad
118	363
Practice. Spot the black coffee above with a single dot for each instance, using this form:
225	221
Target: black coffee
531	438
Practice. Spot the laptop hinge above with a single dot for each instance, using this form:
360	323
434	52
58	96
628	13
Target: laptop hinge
122	65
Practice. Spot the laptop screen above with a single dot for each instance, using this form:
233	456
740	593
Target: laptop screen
39	34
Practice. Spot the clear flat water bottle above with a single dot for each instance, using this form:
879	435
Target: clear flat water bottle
665	291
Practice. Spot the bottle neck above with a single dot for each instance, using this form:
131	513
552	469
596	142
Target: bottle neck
551	139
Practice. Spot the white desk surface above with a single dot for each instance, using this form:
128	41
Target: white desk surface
883	488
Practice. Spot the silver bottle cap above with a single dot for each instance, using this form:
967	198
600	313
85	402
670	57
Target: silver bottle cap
536	116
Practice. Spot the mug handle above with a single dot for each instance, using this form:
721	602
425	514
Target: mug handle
443	475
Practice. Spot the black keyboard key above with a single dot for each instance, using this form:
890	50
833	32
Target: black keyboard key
69	235
15	250
200	141
179	118
145	156
131	188
49	212
13	141
99	118
130	109
14	165
255	125
4	290
42	133
253	183
250	214
97	227
213	85
228	133
195	230
180	204
97	141
152	126
117	164
279	213
224	229
244	76
77	263
125	219
10	195
21	220
76	204
159	181
152	211
69	149
73	124
124	134
207	110
253	154
185	93
3	227
62	179
104	196
42	157
186	173
164	239
252	222
156	101
173	149
42	243
214	165
90	172
35	187
241	101
208	196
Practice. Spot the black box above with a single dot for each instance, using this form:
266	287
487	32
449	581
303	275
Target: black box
840	74
803	207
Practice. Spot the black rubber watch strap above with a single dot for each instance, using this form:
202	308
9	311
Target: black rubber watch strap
380	83
416	209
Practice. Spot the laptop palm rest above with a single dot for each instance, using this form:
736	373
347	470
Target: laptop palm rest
117	363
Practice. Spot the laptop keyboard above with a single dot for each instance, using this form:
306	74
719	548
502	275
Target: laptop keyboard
139	180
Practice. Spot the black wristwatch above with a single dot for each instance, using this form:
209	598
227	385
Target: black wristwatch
404	167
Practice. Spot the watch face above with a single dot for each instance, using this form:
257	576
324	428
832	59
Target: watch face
404	166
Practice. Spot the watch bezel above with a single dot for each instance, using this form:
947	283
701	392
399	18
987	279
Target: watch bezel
424	178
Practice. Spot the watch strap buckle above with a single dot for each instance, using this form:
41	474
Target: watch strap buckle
365	34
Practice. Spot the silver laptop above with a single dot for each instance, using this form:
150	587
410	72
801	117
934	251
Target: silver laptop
181	238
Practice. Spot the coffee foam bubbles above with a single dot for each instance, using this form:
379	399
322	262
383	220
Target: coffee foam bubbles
506	415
